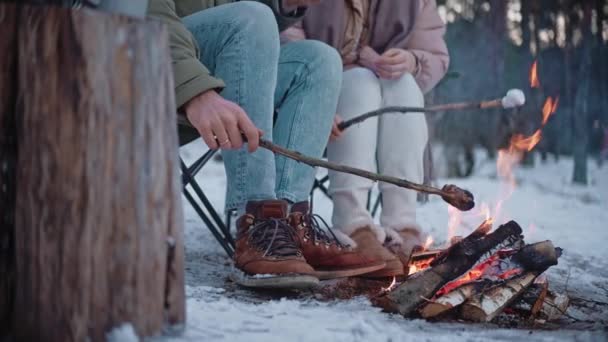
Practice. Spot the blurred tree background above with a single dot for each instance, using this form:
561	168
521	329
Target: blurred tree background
493	44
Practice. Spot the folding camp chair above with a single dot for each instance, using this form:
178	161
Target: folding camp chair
196	196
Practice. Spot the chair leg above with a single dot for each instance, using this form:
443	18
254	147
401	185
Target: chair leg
319	184
188	179
202	161
322	185
210	225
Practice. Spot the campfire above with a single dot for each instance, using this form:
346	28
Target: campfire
488	272
476	278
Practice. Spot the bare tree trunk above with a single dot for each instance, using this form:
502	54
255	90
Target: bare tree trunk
98	217
580	117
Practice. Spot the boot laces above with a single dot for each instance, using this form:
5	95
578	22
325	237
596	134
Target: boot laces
327	236
274	236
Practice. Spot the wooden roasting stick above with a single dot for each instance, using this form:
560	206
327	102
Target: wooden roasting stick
455	196
514	98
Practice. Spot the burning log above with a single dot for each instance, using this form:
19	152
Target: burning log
535	258
426	254
492	270
452	263
490	274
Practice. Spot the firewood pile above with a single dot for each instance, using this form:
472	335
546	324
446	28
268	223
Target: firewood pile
479	277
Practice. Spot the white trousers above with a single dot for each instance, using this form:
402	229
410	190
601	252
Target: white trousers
392	144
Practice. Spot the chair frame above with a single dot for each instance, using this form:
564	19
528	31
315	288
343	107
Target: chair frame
207	213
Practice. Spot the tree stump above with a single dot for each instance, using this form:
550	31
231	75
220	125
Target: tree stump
98	225
8	155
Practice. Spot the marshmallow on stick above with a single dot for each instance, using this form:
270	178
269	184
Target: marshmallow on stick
513	98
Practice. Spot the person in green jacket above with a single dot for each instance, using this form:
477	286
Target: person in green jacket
231	77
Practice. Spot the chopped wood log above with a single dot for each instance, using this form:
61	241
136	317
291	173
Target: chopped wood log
538	256
554	306
8	155
531	302
541	293
486	306
452	263
535	258
431	253
543	255
98	218
449	301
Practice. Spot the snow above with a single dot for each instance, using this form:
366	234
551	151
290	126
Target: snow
545	204
122	333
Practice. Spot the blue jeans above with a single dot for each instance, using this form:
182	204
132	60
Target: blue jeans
239	43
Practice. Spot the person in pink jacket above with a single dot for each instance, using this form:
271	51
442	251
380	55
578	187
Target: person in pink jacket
393	52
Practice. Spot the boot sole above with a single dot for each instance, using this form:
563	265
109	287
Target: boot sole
351	272
281	281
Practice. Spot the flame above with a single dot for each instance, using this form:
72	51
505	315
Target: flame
549	108
534	82
419	265
486	225
531	232
509	158
486	213
521	143
454	221
428	242
391	286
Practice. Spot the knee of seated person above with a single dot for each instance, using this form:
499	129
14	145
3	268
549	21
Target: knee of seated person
256	18
407	83
360	75
321	58
360	84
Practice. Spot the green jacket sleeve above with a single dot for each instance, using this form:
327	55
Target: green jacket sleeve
190	75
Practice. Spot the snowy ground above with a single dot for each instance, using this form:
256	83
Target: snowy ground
544	203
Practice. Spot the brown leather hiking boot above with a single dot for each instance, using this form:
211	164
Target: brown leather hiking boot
322	250
266	250
368	245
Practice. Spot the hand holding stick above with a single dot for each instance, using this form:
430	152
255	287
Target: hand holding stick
513	98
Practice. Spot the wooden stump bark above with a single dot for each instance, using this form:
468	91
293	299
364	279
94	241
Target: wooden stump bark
98	218
8	155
